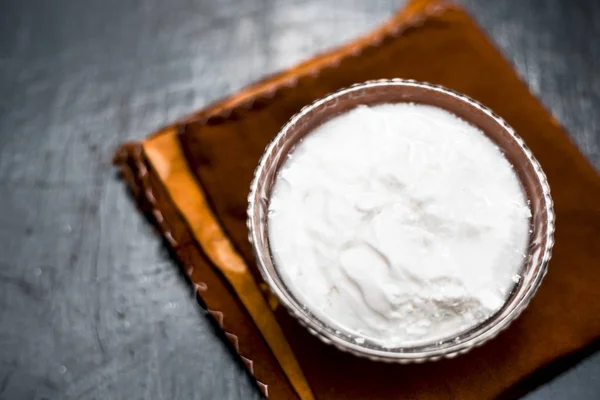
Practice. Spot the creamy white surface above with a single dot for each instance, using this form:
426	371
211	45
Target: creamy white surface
399	223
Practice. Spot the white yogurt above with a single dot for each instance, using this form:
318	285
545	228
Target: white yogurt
398	223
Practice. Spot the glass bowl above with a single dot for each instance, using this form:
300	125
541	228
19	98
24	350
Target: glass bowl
533	181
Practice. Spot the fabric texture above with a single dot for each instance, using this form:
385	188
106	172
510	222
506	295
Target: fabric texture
192	181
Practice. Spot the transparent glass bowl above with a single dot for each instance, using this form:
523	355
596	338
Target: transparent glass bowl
528	169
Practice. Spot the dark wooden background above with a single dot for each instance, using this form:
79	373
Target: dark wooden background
91	306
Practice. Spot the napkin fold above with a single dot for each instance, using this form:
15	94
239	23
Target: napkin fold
192	179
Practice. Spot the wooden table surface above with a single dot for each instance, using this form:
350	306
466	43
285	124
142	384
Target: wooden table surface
91	306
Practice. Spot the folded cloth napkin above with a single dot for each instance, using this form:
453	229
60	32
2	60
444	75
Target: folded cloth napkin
192	180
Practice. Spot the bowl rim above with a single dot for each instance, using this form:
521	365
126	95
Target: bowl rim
300	312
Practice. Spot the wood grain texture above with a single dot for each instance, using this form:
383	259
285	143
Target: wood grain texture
90	304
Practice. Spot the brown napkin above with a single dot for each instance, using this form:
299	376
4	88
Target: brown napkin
192	180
